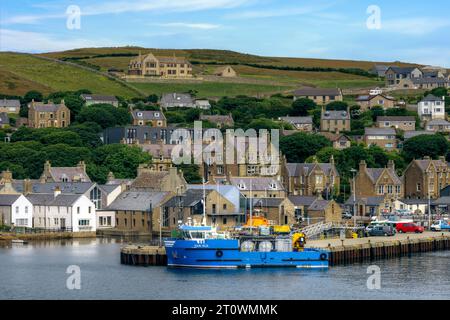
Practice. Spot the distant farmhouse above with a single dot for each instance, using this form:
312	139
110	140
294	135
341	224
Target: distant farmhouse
226	72
9	106
164	67
318	95
90	99
48	115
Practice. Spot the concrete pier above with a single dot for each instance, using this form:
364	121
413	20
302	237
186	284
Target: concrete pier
350	251
342	252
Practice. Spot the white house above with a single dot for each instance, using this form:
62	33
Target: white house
431	107
65	212
16	210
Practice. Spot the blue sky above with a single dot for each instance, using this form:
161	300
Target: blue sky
412	31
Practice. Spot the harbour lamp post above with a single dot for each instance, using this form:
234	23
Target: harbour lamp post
354	171
429	204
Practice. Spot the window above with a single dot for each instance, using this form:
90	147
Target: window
381	189
78	210
224	221
26	209
418	187
214	208
17	209
90	210
397	189
83	222
390	189
224	206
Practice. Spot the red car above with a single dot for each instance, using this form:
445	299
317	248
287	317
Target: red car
409	227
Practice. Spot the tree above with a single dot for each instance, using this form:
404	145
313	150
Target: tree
153	98
337	106
191	173
268	124
421	146
62	137
33	95
299	146
74	103
302	106
104	115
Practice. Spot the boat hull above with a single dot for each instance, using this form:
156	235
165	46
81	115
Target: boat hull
226	254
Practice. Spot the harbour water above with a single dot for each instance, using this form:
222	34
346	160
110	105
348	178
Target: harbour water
38	271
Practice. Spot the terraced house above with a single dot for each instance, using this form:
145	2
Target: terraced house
48	115
311	179
164	67
426	178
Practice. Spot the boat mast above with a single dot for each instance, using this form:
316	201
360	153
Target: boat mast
204	204
251	205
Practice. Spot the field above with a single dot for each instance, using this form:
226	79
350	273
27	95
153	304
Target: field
22	72
213	89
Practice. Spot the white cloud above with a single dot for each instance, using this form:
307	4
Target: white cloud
118	7
290	11
202	26
414	26
22	41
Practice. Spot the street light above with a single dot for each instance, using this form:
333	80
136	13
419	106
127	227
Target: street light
354	171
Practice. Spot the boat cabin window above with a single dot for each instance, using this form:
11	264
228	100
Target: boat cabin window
196	234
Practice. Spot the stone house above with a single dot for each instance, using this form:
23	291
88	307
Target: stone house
220	120
219	210
383	137
304	124
340	141
10	106
163	67
41	115
426	177
64	174
311	179
149	118
318	95
324	211
367	102
90	99
438	125
373	206
375	182
406	123
278	211
226	72
335	121
394	75
259	187
139	212
150	180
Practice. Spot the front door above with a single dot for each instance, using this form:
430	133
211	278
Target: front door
63	223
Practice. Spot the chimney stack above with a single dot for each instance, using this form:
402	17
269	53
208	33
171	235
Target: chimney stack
57	191
362	165
27	186
391	165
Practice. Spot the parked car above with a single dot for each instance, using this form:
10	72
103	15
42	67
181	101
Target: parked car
381	230
409	227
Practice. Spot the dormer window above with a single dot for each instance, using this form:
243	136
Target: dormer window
156	114
273	185
241	186
139	114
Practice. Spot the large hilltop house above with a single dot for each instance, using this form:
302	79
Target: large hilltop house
164	67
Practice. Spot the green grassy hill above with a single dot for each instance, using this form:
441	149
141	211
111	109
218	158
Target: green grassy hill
77	69
23	72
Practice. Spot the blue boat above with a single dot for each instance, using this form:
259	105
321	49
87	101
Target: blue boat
203	247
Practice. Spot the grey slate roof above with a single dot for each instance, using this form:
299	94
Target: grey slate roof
98	97
174	99
438	122
257	183
396	118
403	70
49	187
8	199
375	173
49	199
49	107
302	200
319	205
148	115
380	132
317	92
335	115
412	134
431	98
297	120
429	80
137	201
189	199
267	202
9	103
108	188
